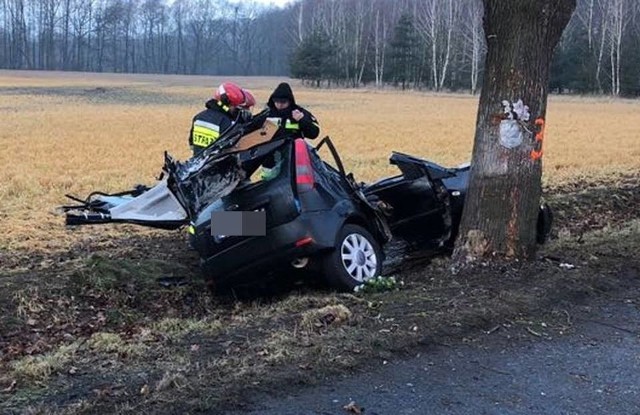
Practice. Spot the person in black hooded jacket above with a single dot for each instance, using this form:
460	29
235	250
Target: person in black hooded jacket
291	117
293	120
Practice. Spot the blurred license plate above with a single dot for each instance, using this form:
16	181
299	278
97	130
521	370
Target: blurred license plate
238	223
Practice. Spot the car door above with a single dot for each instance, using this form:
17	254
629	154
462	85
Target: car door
420	208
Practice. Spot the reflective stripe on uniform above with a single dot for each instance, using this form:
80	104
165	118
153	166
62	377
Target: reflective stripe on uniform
291	125
288	125
208	125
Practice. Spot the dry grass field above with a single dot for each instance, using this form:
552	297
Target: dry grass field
85	328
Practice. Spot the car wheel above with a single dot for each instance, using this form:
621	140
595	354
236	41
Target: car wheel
357	257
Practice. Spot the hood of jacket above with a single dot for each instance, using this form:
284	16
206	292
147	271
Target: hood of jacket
282	91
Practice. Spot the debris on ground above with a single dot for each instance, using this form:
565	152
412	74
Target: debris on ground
325	316
352	408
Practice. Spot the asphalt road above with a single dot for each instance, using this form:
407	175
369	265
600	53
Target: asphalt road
593	369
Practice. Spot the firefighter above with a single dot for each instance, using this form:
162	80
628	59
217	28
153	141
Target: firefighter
229	104
292	118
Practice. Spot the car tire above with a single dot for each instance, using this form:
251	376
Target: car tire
357	257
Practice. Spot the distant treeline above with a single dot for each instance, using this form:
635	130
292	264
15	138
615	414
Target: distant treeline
425	44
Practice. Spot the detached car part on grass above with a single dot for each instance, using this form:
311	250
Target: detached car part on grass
316	215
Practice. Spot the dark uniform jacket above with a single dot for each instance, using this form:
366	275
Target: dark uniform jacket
307	127
207	125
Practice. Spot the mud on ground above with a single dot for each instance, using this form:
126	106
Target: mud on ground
91	331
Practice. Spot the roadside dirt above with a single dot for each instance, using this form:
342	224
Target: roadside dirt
90	330
580	359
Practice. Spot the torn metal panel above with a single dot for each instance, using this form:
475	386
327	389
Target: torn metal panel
156	204
156	207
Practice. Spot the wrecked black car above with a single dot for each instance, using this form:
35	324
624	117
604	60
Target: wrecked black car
255	202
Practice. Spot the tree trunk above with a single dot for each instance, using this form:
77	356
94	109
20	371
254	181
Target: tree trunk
65	35
618	27
445	63
377	51
503	198
434	46
604	28
179	52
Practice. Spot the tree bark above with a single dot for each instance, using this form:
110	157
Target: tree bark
503	198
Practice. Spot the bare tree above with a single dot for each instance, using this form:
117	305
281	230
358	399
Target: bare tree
300	21
80	27
380	41
197	18
129	33
247	39
178	14
449	23
473	40
51	9
348	24
4	33
429	29
620	16
585	15
19	51
436	22
66	16
604	28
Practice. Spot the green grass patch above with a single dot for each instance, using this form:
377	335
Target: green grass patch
178	327
102	342
41	367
